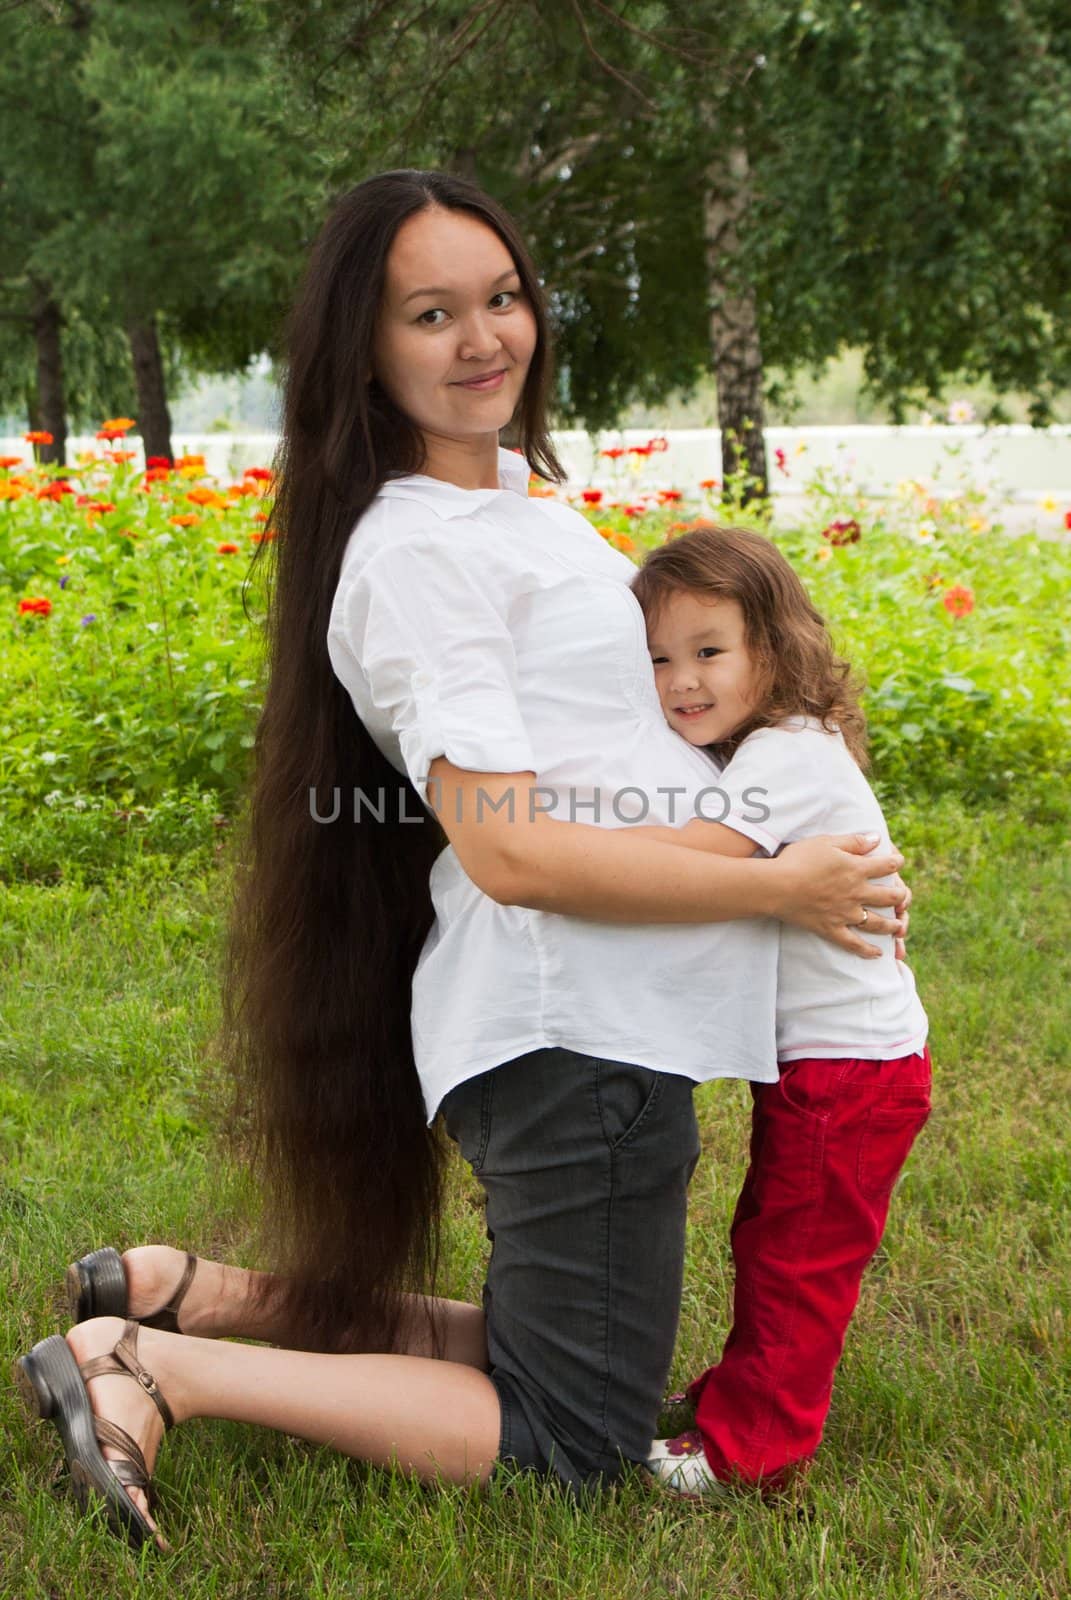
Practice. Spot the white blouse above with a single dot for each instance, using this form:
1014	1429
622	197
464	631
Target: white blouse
791	782
501	633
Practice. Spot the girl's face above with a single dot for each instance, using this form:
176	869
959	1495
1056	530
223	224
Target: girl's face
455	333
704	672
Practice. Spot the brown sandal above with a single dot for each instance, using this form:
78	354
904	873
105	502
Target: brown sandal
54	1389
96	1287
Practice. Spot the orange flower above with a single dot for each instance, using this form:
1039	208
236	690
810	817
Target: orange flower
11	491
185	519
38	438
205	497
10	461
120	456
154	474
118	424
227	548
958	601
54	490
622	542
37	605
260	516
669	497
709	483
97	508
265	535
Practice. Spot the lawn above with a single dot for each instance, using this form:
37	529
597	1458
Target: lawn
944	1467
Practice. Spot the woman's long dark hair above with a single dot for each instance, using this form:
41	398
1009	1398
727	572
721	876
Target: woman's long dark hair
328	919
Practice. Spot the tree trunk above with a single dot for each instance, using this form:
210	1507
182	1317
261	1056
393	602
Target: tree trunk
154	419
51	409
736	353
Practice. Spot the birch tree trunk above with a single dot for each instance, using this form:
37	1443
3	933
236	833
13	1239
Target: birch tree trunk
154	419
736	353
51	409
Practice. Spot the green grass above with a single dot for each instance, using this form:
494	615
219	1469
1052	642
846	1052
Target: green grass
944	1468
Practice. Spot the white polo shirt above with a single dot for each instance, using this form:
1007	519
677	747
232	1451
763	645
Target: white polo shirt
501	632
829	1002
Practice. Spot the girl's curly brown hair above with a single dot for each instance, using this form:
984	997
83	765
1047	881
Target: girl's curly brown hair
798	671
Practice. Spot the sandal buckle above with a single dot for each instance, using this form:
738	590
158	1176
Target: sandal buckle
147	1381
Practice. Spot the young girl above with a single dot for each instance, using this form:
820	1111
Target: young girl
745	668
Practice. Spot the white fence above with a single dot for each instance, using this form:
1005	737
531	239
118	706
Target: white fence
1017	463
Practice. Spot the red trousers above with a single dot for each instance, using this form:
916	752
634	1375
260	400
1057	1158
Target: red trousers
827	1143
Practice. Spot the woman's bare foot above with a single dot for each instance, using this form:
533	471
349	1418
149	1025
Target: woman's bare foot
116	1397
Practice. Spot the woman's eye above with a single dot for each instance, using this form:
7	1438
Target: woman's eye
436	311
506	294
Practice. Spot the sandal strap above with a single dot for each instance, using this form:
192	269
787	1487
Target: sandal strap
134	1470
123	1362
172	1307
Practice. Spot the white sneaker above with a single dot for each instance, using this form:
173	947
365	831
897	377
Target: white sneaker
680	1465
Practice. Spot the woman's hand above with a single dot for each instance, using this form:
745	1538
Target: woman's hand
903	915
826	886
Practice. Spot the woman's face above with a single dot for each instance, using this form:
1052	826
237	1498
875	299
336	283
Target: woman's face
455	333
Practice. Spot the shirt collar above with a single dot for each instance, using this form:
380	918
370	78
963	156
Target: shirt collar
451	501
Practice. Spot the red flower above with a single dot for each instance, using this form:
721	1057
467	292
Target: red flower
958	601
154	474
10	461
39	437
657	444
227	548
779	457
591	497
846	531
639	449
669	497
54	490
709	483
635	511
259	538
614	452
261	474
159	461
37	605
1067	520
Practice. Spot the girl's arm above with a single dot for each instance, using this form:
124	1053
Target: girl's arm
519	855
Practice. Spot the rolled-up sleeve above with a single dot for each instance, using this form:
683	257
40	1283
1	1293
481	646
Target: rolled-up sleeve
428	632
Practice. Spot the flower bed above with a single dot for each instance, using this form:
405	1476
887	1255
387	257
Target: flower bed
132	669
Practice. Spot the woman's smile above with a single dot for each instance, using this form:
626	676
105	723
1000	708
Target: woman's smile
488	381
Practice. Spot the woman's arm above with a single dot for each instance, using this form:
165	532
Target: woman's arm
519	855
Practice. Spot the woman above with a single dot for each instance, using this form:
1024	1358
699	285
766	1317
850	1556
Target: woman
496	662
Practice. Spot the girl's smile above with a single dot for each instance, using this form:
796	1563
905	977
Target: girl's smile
704	672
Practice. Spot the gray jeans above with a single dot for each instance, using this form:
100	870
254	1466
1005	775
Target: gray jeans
585	1164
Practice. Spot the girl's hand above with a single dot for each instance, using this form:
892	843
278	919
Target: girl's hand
826	886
